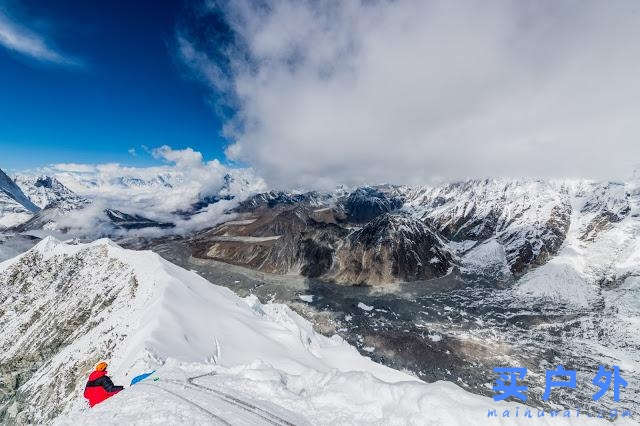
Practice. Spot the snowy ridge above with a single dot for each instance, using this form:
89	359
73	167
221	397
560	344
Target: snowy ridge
15	207
141	312
10	189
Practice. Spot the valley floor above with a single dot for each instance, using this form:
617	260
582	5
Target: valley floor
450	329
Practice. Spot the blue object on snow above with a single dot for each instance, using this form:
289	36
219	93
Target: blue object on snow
141	377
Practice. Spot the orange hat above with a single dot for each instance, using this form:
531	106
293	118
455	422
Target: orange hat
101	366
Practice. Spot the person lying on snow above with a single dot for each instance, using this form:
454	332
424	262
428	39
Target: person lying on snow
100	387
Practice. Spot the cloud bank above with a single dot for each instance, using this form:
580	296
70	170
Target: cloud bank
409	91
161	193
16	37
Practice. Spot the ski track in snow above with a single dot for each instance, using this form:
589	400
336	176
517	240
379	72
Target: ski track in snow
214	416
263	414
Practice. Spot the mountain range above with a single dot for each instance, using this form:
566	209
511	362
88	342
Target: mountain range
569	249
498	228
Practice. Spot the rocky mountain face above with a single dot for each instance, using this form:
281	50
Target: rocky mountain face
391	247
354	238
607	204
133	221
281	240
528	219
494	227
48	300
274	199
367	203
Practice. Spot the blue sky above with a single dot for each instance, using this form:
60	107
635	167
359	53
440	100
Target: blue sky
326	92
102	79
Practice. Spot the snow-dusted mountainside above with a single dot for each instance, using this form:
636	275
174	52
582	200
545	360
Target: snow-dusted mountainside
601	251
105	202
218	358
498	226
528	219
53	199
15	206
389	248
49	192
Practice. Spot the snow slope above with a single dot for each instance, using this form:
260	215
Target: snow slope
527	218
47	191
219	358
600	252
15	207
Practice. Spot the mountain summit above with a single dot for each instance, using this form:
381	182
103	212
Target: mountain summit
15	206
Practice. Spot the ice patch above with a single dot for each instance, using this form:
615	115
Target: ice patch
435	337
365	307
306	297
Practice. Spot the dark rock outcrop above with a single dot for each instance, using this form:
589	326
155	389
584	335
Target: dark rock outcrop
367	203
391	248
133	221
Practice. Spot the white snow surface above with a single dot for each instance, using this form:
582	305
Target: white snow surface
263	355
9	219
574	276
488	258
365	307
306	297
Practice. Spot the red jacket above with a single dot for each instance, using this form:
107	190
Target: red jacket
100	387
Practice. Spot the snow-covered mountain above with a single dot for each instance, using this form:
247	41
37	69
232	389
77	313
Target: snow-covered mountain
52	199
502	227
105	201
528	219
601	251
15	206
497	228
48	192
218	358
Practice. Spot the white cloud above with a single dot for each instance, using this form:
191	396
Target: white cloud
182	158
15	37
411	90
74	167
157	193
